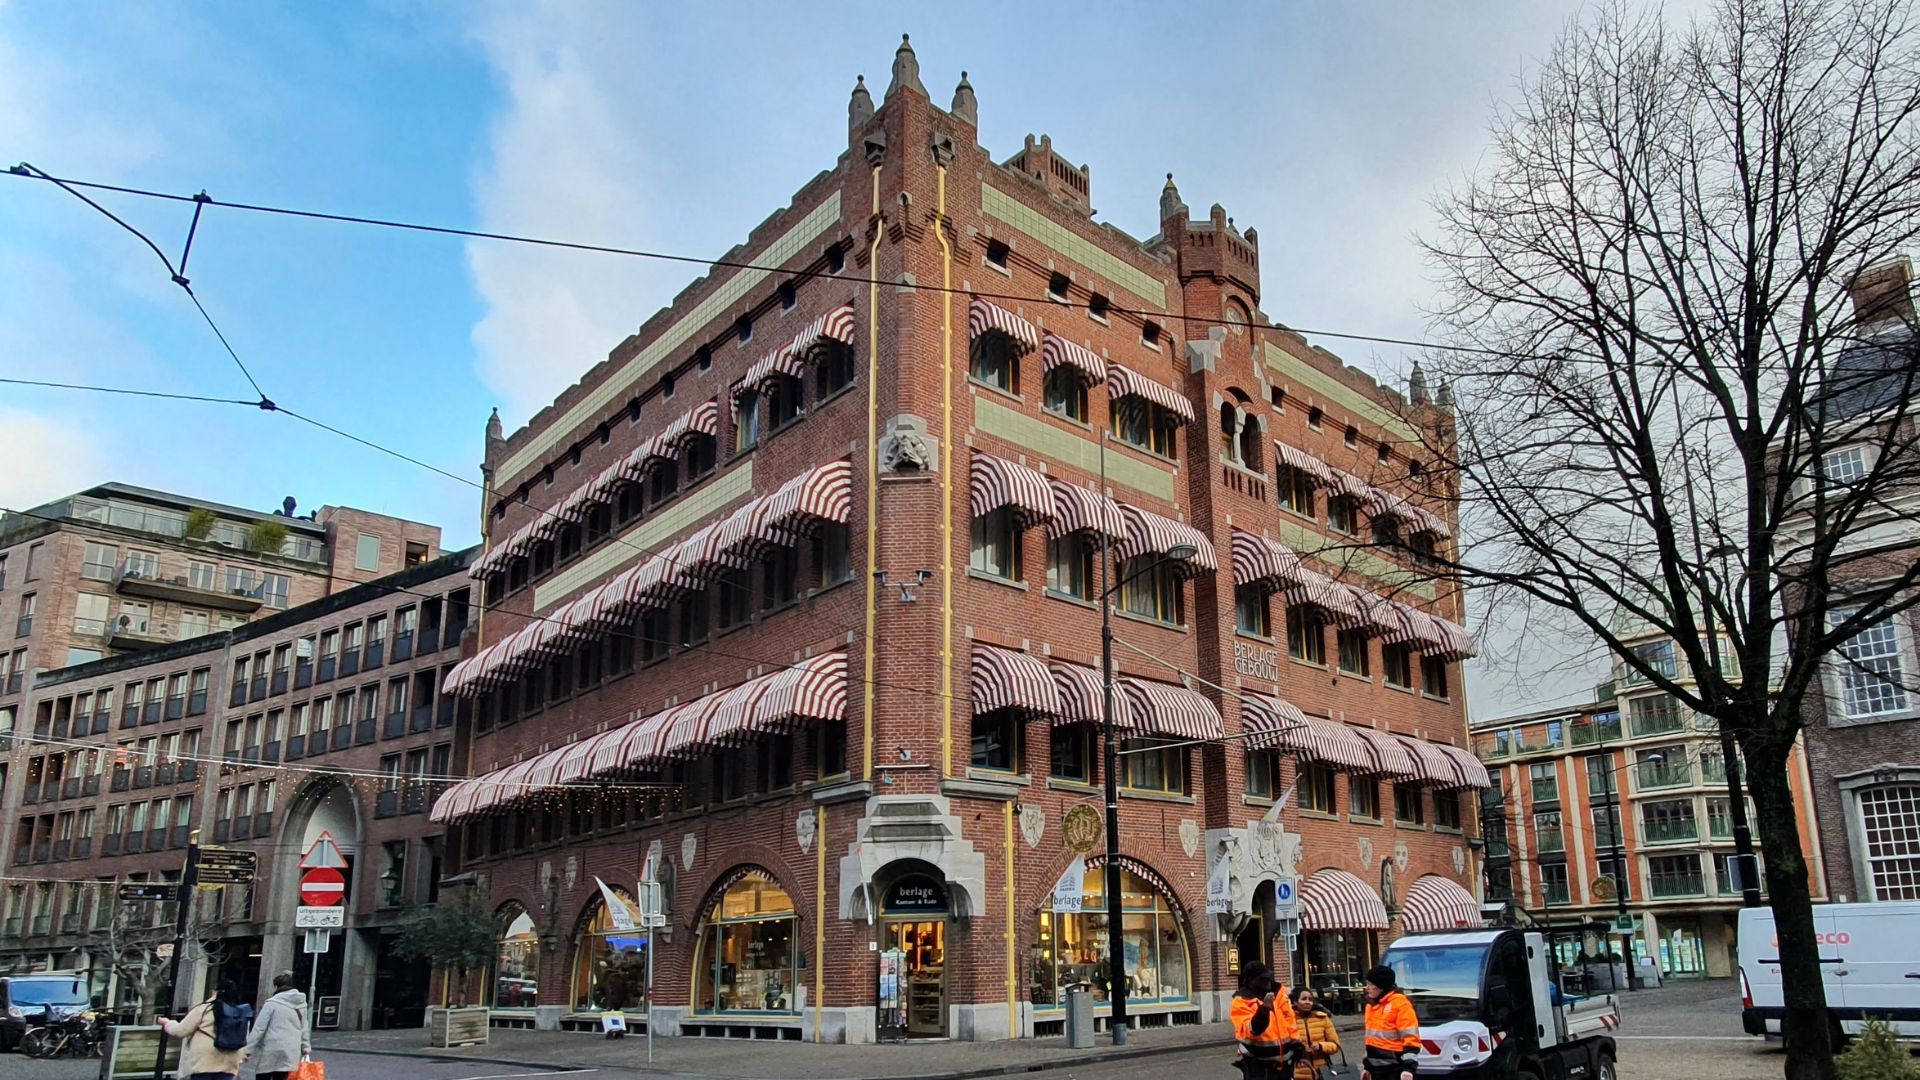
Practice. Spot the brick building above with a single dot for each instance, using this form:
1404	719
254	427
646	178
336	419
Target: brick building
1566	779
795	599
324	715
1863	716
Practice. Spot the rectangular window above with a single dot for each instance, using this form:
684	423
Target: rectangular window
1666	766
1353	652
100	562
143	564
1890	836
735	594
996	741
1668	821
833	554
693	619
1871	669
784	396
204	576
1306	634
1072	753
366	552
1154	768
1433	676
1250	611
1844	467
23	625
194	624
1151	593
1545	779
1263	773
1553	883
995	362
746	420
1296	490
1396	666
1656	715
1407	808
1548	833
1065	394
90	614
1141	423
996	545
274	590
1674	875
779	578
1070	565
1446	809
1341	514
1606	827
835	368
1363	797
1317	788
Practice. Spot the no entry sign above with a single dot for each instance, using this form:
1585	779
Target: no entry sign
322	887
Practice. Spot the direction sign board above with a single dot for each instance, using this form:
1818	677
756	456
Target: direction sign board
319	918
140	890
226	866
322	887
323	854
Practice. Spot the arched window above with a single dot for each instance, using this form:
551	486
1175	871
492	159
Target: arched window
609	964
516	967
1071	949
748	953
1229	431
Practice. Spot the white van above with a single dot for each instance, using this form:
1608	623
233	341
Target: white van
1869	963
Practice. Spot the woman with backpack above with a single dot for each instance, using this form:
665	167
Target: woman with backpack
213	1035
279	1042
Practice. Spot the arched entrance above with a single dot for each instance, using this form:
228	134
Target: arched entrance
609	964
515	982
358	979
747	957
1255	940
914	906
1073	948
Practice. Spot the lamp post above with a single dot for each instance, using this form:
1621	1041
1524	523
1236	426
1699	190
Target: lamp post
1617	825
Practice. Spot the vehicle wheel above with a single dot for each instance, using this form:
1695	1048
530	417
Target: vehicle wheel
1604	1069
35	1043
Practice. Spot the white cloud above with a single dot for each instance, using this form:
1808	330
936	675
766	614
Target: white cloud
46	458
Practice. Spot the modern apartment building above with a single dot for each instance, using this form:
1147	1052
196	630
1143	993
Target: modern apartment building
323	714
1626	794
794	604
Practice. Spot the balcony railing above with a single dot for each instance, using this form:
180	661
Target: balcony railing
402	647
1664	776
1594	734
396	726
1670	886
422	719
1667	832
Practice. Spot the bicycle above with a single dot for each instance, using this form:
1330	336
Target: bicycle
77	1035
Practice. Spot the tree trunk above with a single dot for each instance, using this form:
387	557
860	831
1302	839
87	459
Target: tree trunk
1805	1025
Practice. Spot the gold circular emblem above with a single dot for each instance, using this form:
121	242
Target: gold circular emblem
1081	827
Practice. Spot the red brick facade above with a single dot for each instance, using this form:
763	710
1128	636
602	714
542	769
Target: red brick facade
916	208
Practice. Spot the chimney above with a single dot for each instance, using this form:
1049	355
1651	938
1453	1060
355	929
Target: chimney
1882	293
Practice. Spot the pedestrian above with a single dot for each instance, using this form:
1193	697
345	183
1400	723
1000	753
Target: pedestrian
1393	1031
1316	1030
1262	1021
280	1042
204	1053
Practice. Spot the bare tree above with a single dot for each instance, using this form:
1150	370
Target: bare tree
136	943
1655	354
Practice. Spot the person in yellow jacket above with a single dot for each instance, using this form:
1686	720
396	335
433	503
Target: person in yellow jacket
1262	1023
1393	1031
1316	1030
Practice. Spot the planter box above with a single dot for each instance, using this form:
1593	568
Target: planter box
465	1026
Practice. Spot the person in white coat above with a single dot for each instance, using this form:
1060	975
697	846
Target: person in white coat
279	1042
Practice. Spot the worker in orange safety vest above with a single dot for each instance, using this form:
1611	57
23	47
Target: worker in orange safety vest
1263	1022
1393	1031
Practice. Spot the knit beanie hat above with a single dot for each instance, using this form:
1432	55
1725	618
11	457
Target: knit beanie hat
1381	977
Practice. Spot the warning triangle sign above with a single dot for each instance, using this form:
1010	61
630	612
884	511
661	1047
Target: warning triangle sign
324	854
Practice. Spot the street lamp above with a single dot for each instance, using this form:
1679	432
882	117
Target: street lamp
1116	951
1617	825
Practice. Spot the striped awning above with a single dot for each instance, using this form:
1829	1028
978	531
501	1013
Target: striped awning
985	316
1304	461
1260	561
1330	596
1083	698
701	419
1376	613
1078	508
576	761
1430	634
1147	533
791	359
1435	767
691	733
1327	741
729	724
1056	350
1336	900
1341	482
1389	756
1008	679
997	482
1173	712
813	689
1269	722
1437	903
1473	771
1125	382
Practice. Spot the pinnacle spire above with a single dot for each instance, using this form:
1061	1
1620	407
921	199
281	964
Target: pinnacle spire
1170	204
860	106
965	105
906	69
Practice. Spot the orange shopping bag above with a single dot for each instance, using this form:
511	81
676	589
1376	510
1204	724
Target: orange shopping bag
309	1070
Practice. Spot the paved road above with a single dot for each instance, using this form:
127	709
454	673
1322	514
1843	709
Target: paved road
1686	1030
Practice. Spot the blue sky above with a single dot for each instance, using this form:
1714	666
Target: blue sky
676	128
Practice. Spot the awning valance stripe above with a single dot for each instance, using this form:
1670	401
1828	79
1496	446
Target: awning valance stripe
1305	462
1389	756
791	358
1473	772
1125	382
1438	903
1056	350
1336	900
985	316
1008	679
997	482
1258	560
1078	508
1083	698
1148	533
1435	767
701	419
1171	711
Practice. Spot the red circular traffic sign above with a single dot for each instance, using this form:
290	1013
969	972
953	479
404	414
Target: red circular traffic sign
322	887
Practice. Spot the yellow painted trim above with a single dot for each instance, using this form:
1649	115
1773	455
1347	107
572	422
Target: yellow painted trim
948	454
819	921
1013	987
873	467
696	507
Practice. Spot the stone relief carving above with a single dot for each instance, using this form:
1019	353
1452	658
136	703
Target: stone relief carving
1459	859
1033	825
1364	846
1401	856
1189	836
688	845
907	448
804	826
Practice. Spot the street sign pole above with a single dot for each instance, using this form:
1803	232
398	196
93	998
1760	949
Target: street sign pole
313	986
189	886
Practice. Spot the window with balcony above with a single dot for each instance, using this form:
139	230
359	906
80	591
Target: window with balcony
1606	827
1655	716
1548	833
1544	778
1719	819
274	589
1670	876
1599	728
143	564
1725	865
1659	656
1668	821
1663	767
204	576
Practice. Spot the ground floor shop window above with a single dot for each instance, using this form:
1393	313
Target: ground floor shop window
749	957
609	965
1071	949
1334	962
516	969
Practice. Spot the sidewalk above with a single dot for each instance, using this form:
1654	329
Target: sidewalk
751	1060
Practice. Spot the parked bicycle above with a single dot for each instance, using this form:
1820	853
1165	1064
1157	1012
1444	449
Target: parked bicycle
78	1034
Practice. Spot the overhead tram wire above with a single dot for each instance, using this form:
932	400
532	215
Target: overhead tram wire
129	391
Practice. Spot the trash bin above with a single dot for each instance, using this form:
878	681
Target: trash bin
1079	1019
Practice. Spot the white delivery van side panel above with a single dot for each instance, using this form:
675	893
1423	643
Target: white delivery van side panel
1880	965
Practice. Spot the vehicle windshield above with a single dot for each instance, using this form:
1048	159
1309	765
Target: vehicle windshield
1442	981
33	993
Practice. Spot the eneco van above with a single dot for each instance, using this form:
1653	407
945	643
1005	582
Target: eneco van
1869	963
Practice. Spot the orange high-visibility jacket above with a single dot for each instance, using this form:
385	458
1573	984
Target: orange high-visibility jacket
1265	1043
1392	1028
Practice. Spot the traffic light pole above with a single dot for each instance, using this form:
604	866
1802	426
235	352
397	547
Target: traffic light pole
183	905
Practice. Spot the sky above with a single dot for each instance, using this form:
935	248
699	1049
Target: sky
676	128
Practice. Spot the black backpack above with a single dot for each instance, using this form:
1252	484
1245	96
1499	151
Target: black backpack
230	1025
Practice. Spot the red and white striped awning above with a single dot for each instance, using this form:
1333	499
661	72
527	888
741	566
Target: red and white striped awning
1083	698
1472	770
1430	634
1056	350
1173	712
734	711
791	359
1437	903
1147	533
1270	722
1008	679
701	419
985	316
1330	596
1260	561
1341	482
1335	900
1435	767
1389	756
576	761
690	734
1305	462
811	690
997	482
1376	613
1078	508
1125	382
1327	741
